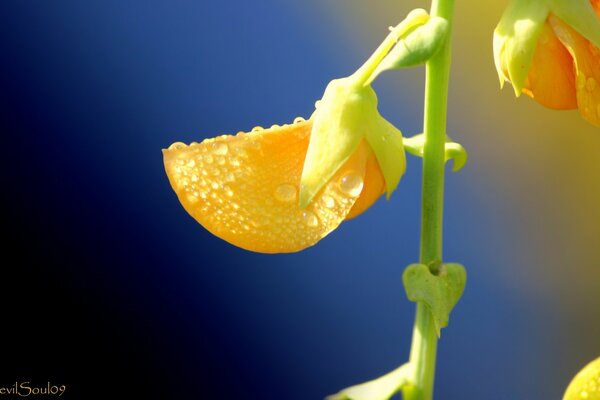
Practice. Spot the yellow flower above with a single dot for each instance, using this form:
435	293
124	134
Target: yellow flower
244	188
549	49
586	384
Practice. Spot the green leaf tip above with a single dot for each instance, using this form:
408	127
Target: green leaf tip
415	145
457	153
439	293
381	388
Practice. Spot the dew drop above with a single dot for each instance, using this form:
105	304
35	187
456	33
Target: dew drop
590	84
275	126
191	164
220	149
310	219
228	191
229	177
257	129
234	162
179	162
214	185
351	184
328	201
177	146
285	192
192	198
317	103
220	160
299	120
195	178
208	159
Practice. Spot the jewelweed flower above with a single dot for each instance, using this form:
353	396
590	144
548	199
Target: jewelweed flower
244	188
550	50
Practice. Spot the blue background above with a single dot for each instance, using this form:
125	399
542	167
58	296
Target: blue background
117	292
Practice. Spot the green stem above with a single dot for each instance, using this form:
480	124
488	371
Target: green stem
424	345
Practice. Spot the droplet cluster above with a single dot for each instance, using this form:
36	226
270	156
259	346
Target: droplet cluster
245	188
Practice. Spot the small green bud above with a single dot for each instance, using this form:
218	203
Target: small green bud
418	46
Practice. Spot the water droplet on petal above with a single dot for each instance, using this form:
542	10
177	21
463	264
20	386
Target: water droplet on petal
590	84
220	149
229	177
257	129
328	201
351	184
208	159
310	219
274	126
299	120
177	146
285	192
214	185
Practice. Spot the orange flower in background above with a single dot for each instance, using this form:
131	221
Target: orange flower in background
245	188
549	50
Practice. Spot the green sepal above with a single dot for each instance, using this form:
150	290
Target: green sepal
515	40
418	46
439	292
452	151
386	141
338	128
381	388
346	114
581	16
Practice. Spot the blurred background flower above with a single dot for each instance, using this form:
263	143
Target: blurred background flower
90	93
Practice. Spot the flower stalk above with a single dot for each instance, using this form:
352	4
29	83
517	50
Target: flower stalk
424	344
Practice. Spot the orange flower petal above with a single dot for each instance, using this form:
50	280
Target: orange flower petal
551	79
587	69
596	5
373	189
244	188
